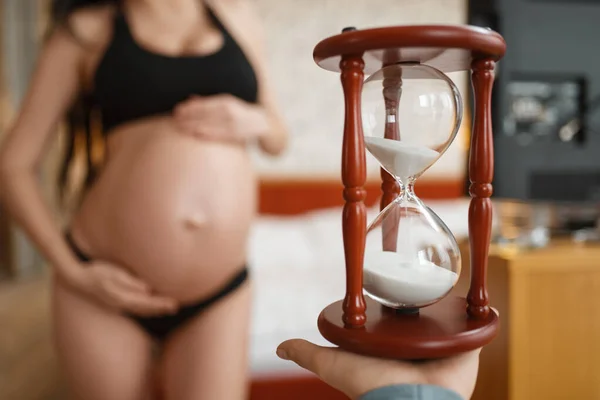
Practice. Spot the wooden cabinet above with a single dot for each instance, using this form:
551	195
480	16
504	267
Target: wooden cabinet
549	342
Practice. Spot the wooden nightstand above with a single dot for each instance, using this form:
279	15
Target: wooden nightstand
549	341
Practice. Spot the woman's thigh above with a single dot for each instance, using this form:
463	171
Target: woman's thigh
208	357
104	355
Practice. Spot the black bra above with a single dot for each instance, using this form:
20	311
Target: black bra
132	82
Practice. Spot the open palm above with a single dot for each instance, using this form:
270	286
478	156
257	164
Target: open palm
355	375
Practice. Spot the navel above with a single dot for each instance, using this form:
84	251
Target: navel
195	221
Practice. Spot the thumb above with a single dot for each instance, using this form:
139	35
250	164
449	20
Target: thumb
333	366
307	355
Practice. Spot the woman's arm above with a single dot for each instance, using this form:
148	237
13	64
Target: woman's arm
54	85
274	140
246	23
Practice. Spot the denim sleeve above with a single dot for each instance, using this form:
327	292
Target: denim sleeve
411	392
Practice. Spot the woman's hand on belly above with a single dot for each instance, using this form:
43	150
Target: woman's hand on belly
222	118
114	287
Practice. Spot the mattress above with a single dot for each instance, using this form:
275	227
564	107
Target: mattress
297	265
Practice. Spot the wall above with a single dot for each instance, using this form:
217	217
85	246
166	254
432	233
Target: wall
20	26
311	98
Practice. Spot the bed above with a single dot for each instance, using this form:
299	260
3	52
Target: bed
296	258
297	262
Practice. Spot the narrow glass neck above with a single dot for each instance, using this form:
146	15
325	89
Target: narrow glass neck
407	190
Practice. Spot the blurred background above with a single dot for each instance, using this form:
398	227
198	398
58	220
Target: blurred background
544	271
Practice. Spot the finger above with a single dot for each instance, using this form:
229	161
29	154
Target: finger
148	308
219	132
192	106
197	107
130	282
208	125
208	131
143	304
179	109
339	369
192	123
185	125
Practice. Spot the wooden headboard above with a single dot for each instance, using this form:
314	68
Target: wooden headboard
296	196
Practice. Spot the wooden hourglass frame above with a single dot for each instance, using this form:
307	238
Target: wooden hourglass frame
454	324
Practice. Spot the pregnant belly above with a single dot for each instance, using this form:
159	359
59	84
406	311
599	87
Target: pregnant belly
173	209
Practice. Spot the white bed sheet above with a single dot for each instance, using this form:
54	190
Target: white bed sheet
297	269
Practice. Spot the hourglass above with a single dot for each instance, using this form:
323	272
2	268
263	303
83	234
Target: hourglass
401	268
411	114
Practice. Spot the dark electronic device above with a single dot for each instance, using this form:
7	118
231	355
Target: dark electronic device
546	105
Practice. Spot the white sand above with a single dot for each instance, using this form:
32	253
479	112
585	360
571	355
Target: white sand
401	159
401	281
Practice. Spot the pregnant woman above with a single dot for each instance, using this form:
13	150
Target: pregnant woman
155	251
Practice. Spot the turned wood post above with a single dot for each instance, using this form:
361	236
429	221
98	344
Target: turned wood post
354	175
390	188
481	173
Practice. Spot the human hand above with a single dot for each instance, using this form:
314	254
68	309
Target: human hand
114	287
221	117
356	375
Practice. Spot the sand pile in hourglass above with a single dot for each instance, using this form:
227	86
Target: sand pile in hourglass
396	278
400	159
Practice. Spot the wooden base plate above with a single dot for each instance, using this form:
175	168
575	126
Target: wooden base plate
440	330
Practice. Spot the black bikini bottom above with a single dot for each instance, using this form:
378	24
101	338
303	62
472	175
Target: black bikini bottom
159	327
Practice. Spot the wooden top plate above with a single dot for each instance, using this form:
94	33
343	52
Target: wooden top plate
448	48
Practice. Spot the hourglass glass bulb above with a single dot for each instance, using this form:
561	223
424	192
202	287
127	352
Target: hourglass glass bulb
411	114
411	257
